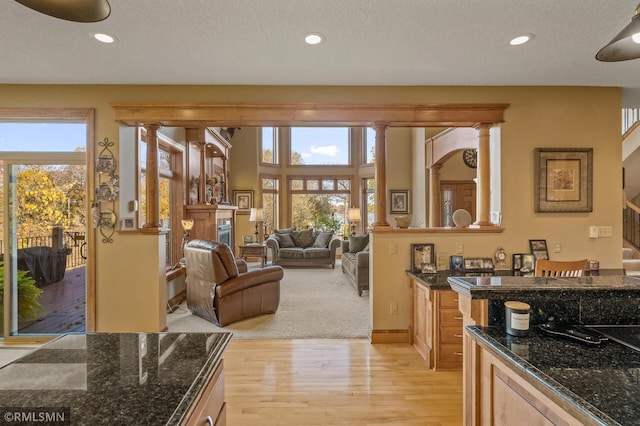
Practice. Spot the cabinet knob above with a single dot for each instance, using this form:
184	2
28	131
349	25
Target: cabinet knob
458	335
458	353
209	420
457	318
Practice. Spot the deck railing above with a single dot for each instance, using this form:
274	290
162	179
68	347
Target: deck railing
74	243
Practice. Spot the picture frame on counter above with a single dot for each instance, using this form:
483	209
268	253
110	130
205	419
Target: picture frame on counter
456	264
421	256
478	264
539	249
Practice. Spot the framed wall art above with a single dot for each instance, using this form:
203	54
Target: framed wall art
244	200
563	180
423	258
399	201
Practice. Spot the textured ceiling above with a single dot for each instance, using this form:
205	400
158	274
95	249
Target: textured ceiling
368	42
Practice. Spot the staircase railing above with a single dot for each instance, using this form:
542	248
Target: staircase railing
631	224
629	117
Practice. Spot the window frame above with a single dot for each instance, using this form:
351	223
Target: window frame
276	146
276	201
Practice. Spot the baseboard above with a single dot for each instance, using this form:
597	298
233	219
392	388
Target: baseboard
175	301
389	336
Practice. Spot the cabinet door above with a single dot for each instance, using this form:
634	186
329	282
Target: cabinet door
422	336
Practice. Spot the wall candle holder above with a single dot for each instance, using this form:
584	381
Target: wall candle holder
107	188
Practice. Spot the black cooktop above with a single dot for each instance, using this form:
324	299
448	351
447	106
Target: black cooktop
628	335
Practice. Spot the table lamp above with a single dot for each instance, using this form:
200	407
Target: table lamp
187	225
256	215
353	214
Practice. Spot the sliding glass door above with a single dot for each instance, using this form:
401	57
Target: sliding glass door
43	237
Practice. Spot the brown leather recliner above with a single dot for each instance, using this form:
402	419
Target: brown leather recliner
219	288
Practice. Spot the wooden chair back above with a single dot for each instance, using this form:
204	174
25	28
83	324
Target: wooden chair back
557	268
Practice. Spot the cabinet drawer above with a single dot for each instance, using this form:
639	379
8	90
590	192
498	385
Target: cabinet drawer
450	356
450	318
448	299
451	335
210	401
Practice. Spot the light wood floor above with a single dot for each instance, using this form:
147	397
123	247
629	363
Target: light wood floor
336	382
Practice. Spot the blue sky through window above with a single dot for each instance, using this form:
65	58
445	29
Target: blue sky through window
42	137
321	145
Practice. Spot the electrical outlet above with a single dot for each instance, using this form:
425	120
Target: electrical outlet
459	248
393	308
605	231
557	248
393	247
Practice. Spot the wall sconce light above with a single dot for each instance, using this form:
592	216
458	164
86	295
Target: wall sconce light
624	46
256	215
353	215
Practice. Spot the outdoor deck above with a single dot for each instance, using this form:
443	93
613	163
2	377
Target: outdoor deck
64	303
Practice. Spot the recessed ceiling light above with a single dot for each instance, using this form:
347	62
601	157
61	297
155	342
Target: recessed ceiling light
314	38
521	39
105	38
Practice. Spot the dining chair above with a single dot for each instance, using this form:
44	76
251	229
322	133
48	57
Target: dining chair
558	268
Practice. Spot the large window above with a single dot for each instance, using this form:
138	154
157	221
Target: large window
319	146
369	203
369	146
269	145
270	200
320	202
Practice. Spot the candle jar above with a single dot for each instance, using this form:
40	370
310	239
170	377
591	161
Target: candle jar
517	318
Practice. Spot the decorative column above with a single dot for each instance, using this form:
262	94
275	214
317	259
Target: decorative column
381	175
484	177
434	195
202	188
152	177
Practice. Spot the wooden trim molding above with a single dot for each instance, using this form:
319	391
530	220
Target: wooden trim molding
390	336
363	115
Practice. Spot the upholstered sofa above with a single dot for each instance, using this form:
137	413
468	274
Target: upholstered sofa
220	289
302	248
355	261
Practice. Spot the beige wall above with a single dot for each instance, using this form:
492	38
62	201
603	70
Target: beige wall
127	274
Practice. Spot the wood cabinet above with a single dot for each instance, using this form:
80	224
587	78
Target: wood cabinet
506	398
209	407
436	326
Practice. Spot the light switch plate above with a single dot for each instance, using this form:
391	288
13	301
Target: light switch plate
593	232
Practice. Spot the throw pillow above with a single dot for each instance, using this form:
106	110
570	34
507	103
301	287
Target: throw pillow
284	230
358	243
303	239
323	239
285	241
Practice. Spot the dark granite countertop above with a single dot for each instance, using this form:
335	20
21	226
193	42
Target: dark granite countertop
601	383
115	378
487	287
440	279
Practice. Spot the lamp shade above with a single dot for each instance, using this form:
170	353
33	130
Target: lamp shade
353	214
624	46
71	10
256	215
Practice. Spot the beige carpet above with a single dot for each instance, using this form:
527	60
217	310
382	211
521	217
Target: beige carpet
314	303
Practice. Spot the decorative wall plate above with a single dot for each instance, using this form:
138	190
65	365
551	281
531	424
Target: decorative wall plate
105	164
461	218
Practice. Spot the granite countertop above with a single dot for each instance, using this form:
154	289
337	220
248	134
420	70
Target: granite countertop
439	280
115	378
598	382
487	287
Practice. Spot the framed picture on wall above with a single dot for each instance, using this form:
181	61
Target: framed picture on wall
399	201
563	180
244	200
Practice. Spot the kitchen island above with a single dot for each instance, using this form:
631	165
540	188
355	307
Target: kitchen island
538	378
607	299
121	378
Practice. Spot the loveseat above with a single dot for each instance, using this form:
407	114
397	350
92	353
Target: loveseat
355	261
302	248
